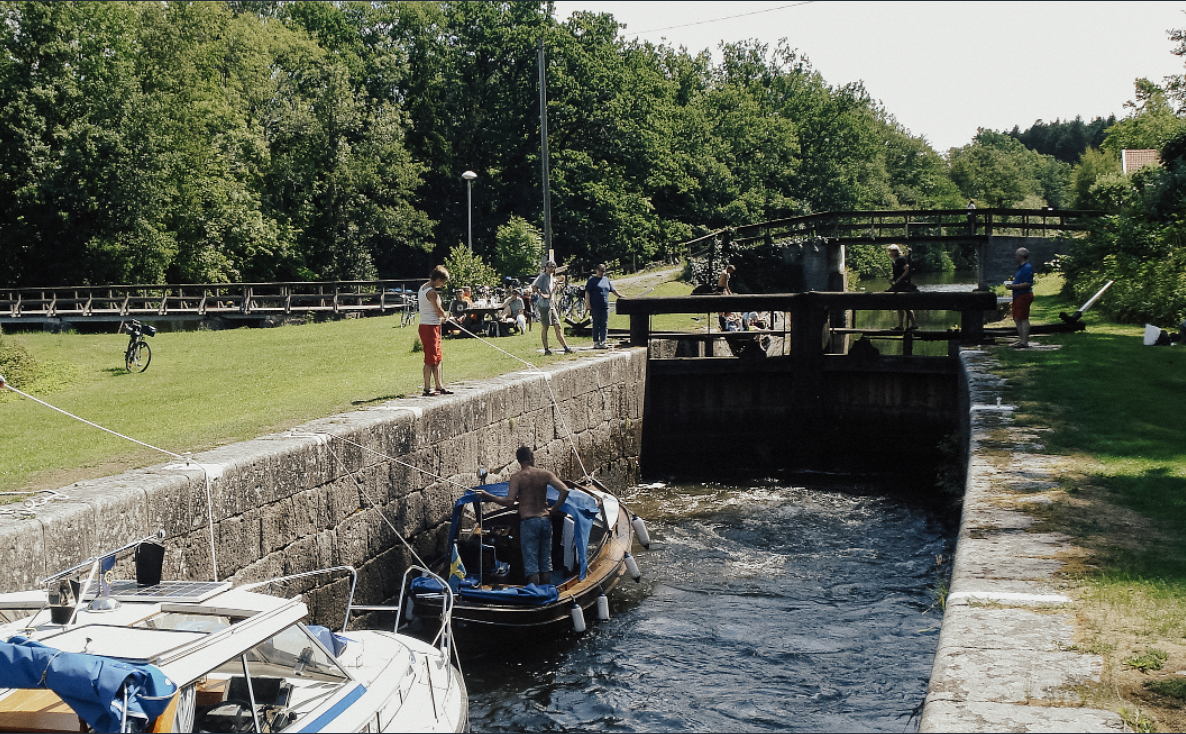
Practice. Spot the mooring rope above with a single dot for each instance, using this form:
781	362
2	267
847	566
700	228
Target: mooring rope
378	508
187	458
548	382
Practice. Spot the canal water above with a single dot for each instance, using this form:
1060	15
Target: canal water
763	607
927	320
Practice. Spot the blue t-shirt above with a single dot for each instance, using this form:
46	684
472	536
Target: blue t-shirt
599	289
1025	274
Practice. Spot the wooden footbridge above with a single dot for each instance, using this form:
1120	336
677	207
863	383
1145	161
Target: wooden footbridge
994	233
918	226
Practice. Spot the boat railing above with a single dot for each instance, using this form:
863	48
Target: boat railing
158	535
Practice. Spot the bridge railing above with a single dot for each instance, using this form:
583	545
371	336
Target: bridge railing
922	224
809	315
205	299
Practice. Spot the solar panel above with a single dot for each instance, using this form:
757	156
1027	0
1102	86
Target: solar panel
174	591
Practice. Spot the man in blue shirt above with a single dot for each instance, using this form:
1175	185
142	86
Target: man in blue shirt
597	291
1022	286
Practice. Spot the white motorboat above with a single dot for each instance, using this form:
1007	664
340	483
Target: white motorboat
100	654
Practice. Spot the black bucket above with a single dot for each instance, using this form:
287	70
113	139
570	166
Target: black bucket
150	558
60	615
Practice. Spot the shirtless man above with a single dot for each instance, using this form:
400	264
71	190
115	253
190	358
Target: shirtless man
529	486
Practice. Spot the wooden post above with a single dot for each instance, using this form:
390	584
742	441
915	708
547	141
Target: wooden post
640	329
972	327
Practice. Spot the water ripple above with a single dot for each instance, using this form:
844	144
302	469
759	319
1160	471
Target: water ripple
763	608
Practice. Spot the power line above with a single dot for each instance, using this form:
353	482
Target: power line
727	17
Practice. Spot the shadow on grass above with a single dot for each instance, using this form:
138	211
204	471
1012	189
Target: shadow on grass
1116	396
1160	495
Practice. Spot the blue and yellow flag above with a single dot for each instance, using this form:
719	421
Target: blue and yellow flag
456	570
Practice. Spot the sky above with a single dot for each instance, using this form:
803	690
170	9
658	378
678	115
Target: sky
942	69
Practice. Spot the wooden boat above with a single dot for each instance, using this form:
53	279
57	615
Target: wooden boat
109	655
591	540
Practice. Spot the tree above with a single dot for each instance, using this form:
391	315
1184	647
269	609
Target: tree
1150	124
997	170
467	268
519	247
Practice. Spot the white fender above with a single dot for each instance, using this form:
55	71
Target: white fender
603	607
640	530
632	567
578	618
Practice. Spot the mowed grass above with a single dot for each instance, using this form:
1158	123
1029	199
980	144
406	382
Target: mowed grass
1106	396
208	388
1118	409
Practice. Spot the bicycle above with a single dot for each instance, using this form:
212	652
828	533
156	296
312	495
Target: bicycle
138	354
411	308
572	303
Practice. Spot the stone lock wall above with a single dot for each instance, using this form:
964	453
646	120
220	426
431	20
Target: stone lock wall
306	499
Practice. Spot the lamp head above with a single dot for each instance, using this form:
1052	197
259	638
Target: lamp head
469	175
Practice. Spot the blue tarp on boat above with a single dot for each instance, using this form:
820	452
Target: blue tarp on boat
530	595
95	687
582	507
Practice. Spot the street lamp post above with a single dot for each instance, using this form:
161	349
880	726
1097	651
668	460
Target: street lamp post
469	177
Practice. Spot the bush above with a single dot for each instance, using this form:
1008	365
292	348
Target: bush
18	366
28	374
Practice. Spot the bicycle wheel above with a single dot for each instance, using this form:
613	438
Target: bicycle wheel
138	357
578	311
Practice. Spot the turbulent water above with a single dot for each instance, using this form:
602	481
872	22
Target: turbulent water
762	608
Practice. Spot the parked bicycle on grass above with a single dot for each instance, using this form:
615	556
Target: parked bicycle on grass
138	354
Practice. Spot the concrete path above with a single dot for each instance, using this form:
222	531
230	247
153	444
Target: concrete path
1004	662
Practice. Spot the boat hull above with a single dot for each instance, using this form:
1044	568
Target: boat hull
605	570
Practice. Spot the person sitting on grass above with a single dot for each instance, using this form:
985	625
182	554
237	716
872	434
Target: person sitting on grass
513	311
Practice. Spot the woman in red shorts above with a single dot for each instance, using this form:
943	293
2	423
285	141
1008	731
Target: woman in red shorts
432	315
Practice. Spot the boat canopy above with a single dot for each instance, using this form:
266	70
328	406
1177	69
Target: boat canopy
581	506
95	687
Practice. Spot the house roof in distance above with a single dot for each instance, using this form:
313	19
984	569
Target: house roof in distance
1131	160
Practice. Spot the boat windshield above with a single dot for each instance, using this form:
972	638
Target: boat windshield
286	677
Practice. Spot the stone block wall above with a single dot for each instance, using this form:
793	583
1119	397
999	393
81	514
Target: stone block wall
335	491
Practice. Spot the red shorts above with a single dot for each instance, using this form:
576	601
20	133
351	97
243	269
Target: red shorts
430	339
1021	305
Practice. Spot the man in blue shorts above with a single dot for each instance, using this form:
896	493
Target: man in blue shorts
529	486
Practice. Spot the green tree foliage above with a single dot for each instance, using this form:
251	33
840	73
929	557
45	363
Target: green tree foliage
1095	175
1066	141
998	171
519	247
256	140
466	268
1150	124
1141	244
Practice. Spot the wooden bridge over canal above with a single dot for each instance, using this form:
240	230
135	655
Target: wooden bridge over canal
995	233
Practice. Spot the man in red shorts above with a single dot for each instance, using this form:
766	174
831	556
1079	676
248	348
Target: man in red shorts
1022	286
432	315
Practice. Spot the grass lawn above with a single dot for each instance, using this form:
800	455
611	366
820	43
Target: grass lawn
1118	408
208	388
